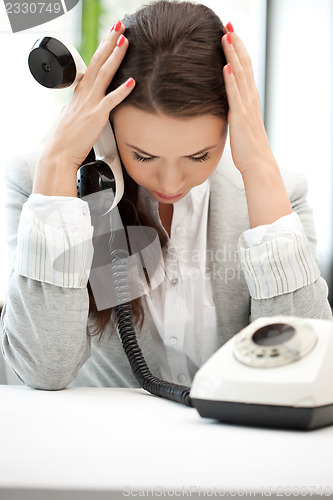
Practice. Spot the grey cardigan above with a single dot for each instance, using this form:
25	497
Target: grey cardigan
44	327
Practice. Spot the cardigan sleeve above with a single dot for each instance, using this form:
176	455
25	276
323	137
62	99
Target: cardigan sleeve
281	269
44	335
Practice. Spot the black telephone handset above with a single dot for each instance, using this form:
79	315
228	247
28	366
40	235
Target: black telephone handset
56	65
232	385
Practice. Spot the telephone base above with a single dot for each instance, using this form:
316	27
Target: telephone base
284	417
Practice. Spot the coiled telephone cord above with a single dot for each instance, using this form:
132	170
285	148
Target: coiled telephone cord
152	384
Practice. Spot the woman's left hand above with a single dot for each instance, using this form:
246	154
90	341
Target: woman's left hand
267	199
248	138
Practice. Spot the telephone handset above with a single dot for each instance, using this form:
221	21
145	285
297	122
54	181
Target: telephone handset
56	65
276	372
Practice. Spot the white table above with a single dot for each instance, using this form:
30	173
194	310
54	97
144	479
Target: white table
90	443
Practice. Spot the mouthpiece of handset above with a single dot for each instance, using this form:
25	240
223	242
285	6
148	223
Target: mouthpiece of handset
52	64
97	186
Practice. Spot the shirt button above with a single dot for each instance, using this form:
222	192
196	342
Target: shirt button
174	282
179	229
173	340
181	378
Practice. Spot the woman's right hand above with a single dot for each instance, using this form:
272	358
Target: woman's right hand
83	118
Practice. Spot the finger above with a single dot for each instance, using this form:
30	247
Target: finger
103	52
240	74
110	67
242	53
117	96
234	97
228	27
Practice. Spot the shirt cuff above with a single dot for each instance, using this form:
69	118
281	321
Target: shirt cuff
54	241
266	232
60	211
276	259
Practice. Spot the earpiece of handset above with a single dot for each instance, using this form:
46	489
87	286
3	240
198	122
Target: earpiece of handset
57	64
54	64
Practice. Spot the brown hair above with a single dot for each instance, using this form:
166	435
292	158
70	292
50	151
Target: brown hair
176	58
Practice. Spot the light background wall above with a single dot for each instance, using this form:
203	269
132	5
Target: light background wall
299	105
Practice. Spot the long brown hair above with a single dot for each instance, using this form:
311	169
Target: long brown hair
176	58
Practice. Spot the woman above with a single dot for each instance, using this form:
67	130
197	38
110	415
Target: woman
238	239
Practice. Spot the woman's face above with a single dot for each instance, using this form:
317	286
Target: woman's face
168	156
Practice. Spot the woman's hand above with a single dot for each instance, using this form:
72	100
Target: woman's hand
248	138
83	118
266	195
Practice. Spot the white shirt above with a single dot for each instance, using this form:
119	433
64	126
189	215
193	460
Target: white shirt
182	309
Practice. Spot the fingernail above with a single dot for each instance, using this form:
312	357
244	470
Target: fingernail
129	82
112	28
229	38
229	69
117	26
230	27
121	40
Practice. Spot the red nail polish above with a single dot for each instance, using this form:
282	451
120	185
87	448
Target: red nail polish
229	38
230	27
129	82
229	69
121	40
117	26
112	28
